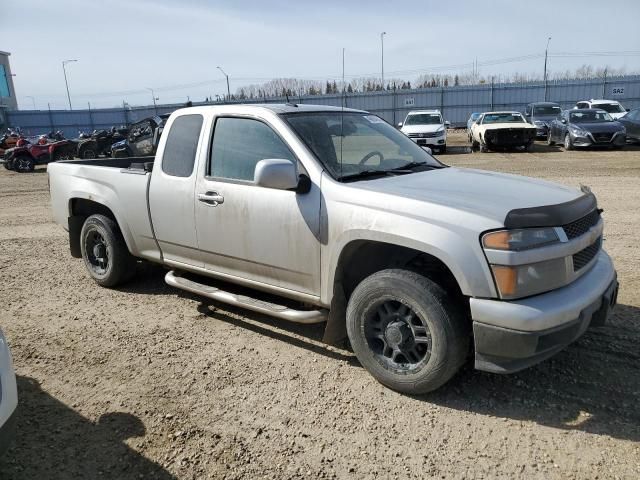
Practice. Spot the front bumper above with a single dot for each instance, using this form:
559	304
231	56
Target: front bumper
513	335
440	141
542	131
617	140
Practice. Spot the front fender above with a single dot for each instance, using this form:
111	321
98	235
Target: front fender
465	260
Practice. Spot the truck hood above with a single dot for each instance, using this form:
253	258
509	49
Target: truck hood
421	128
488	194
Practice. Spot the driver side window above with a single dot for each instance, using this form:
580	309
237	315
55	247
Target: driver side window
239	144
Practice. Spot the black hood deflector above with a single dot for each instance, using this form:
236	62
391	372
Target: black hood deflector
551	215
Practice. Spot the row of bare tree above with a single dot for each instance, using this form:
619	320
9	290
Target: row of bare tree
295	87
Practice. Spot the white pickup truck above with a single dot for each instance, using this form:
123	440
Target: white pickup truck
337	217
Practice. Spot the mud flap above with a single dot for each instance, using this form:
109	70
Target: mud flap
75	227
335	332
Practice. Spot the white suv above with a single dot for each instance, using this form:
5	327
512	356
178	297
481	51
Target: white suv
426	128
8	395
612	107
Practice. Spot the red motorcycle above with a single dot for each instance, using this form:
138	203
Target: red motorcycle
25	156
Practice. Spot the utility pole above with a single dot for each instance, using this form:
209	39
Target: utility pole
546	54
66	82
228	89
382	55
344	91
153	95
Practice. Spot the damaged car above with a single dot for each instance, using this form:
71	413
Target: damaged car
502	130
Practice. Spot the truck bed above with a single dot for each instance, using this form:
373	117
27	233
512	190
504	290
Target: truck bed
120	184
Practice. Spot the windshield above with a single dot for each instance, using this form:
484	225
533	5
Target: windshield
351	143
546	110
609	107
590	116
503	118
423	119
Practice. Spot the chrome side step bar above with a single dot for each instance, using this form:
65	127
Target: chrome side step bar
279	311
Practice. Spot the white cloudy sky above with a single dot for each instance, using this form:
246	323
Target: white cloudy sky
124	46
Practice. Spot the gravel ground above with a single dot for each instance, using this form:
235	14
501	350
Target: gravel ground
149	382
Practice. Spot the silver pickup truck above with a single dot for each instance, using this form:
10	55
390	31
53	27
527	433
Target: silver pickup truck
337	217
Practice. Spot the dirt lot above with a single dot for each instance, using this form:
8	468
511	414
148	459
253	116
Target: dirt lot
149	382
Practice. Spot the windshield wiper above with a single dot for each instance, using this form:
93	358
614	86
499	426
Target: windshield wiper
367	173
411	165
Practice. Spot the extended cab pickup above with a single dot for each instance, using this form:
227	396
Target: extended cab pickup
337	217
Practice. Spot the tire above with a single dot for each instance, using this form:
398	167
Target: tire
443	149
429	363
550	142
24	164
105	252
483	148
62	155
528	147
568	145
8	164
475	145
88	153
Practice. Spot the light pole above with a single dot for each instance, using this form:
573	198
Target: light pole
382	55
546	54
228	90
66	82
153	95
33	100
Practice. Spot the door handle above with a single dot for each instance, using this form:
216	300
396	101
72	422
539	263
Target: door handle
211	198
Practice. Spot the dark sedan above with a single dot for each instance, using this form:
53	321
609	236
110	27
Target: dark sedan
586	127
631	122
541	114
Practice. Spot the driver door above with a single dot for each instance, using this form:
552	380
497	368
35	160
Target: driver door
265	236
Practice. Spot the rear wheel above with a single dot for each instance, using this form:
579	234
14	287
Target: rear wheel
105	252
550	141
88	153
406	331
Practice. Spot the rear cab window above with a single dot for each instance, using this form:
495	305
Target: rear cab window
182	144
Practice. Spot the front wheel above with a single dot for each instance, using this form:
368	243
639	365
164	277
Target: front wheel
105	252
568	144
24	164
406	331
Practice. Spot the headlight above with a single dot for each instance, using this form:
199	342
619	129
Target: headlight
517	240
539	123
578	131
517	281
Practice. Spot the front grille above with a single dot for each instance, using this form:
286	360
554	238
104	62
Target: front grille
424	135
602	137
584	256
582	225
509	136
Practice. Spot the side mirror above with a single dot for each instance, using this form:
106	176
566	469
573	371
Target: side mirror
276	173
400	125
447	124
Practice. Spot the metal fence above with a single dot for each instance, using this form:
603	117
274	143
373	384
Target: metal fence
455	103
